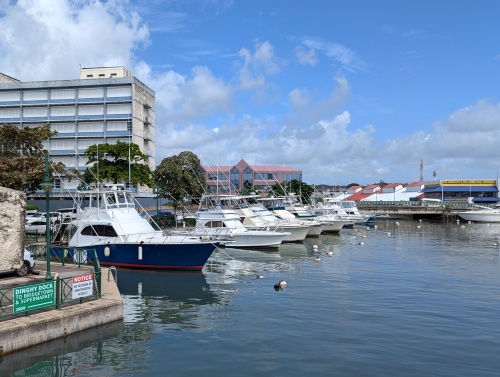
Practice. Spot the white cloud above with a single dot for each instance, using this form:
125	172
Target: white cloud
255	66
306	57
53	37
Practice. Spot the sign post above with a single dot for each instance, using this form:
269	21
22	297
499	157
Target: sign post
32	297
83	286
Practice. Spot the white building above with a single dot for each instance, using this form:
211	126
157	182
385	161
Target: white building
105	105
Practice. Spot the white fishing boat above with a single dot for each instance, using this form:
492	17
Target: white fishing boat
257	217
481	214
276	205
224	225
113	224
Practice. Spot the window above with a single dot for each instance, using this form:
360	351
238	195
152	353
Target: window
35	112
248	177
57	183
235	178
62	145
10	113
91	127
91	92
99	230
91	110
117	126
35	95
265	176
63	127
85	143
220	177
10	96
119	91
101	74
62	111
66	94
90	75
125	108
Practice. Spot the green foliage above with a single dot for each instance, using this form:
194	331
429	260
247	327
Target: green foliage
113	163
352	184
31	207
294	186
178	177
22	162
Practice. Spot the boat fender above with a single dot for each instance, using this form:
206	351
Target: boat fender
107	250
139	251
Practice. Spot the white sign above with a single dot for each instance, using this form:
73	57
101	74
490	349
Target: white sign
83	285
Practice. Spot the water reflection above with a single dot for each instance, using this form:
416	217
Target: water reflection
69	357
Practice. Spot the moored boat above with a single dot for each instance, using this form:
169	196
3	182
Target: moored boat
122	235
481	214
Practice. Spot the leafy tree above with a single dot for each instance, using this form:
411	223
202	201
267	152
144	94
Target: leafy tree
22	162
114	161
352	184
178	177
294	186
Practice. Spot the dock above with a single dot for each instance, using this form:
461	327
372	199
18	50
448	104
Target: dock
43	325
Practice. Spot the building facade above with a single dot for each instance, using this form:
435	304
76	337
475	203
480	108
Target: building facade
234	179
105	105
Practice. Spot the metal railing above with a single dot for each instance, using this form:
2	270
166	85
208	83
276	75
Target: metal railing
22	299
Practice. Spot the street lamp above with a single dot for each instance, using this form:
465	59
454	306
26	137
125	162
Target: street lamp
47	186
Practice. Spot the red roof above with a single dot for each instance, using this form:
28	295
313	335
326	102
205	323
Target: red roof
358	196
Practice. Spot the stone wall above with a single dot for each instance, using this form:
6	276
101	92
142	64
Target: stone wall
12	220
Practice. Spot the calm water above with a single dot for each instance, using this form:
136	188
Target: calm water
420	301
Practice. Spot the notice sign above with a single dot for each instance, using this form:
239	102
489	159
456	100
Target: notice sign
32	297
83	285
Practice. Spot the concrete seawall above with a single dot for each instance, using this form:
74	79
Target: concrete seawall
20	333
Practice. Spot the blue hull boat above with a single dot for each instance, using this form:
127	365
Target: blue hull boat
120	231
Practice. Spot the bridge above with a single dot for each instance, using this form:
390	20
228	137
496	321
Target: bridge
415	209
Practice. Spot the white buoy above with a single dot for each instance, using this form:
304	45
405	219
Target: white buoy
315	247
361	243
330	253
375	226
260	276
419	226
495	244
280	284
463	226
397	223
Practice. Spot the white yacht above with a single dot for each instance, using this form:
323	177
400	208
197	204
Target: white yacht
224	225
482	214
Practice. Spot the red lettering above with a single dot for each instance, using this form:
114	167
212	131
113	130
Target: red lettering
83	278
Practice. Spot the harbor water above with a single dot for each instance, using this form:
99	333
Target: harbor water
405	298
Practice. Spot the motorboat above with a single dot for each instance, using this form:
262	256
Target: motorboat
482	214
348	209
120	231
276	205
225	225
257	217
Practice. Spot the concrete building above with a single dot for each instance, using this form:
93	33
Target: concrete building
105	105
232	179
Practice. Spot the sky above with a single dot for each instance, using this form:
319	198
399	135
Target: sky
346	91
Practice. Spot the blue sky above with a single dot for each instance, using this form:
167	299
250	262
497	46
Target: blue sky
346	91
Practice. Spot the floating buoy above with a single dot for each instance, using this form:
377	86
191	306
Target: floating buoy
495	244
361	243
315	247
375	227
419	226
367	228
388	233
397	223
469	222
463	227
280	284
330	253
317	260
260	276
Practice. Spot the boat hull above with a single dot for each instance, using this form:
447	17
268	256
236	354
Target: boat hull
156	256
484	217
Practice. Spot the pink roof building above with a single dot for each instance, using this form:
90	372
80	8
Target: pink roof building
232	179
